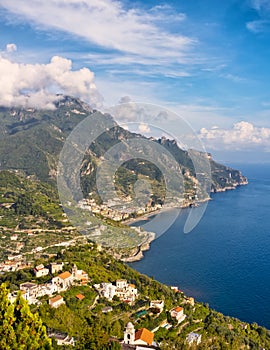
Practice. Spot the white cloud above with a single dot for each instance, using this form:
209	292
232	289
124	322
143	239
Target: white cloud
11	48
144	128
109	24
263	10
242	136
232	77
36	85
257	26
260	5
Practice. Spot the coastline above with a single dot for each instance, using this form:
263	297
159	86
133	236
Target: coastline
138	255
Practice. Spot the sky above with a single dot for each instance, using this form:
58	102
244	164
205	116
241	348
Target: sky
206	60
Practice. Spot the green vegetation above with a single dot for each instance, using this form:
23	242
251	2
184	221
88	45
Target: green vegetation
31	217
32	140
20	329
85	321
30	209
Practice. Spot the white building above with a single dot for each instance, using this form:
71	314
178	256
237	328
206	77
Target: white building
125	291
56	267
31	288
79	275
56	301
129	334
178	313
121	283
194	338
13	295
40	271
63	281
109	290
62	338
157	304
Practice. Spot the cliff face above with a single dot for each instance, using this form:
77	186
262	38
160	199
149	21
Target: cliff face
31	140
225	178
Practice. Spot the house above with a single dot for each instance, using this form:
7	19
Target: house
107	309
121	284
63	281
40	271
106	290
56	267
178	313
79	275
9	266
80	296
13	295
49	288
56	301
61	338
157	304
125	291
194	338
32	289
30	292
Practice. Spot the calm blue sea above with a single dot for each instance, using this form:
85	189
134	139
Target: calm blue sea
225	260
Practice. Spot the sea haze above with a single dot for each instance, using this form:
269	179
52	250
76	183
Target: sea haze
225	260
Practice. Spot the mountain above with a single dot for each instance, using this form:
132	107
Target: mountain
31	140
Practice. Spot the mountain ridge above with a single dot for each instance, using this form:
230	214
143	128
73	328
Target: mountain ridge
31	140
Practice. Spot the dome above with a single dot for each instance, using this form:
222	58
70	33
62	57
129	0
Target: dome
129	325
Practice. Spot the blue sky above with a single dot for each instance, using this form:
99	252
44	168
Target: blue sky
207	60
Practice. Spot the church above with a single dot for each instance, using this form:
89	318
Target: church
141	339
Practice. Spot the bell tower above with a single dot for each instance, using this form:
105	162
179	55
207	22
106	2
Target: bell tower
129	334
74	271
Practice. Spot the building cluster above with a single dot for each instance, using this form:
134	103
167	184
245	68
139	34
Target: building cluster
144	339
13	263
60	283
62	280
107	211
121	289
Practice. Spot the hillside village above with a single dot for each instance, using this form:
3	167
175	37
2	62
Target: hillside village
83	293
61	279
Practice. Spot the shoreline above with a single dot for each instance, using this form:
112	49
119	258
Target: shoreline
151	235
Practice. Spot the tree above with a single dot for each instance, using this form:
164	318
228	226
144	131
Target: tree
116	330
20	329
7	333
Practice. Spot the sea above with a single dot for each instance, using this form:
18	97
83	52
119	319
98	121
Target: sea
225	260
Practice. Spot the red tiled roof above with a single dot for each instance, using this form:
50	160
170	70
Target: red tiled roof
178	309
64	275
55	299
80	296
144	335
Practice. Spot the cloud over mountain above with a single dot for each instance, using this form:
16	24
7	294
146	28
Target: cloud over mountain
36	85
